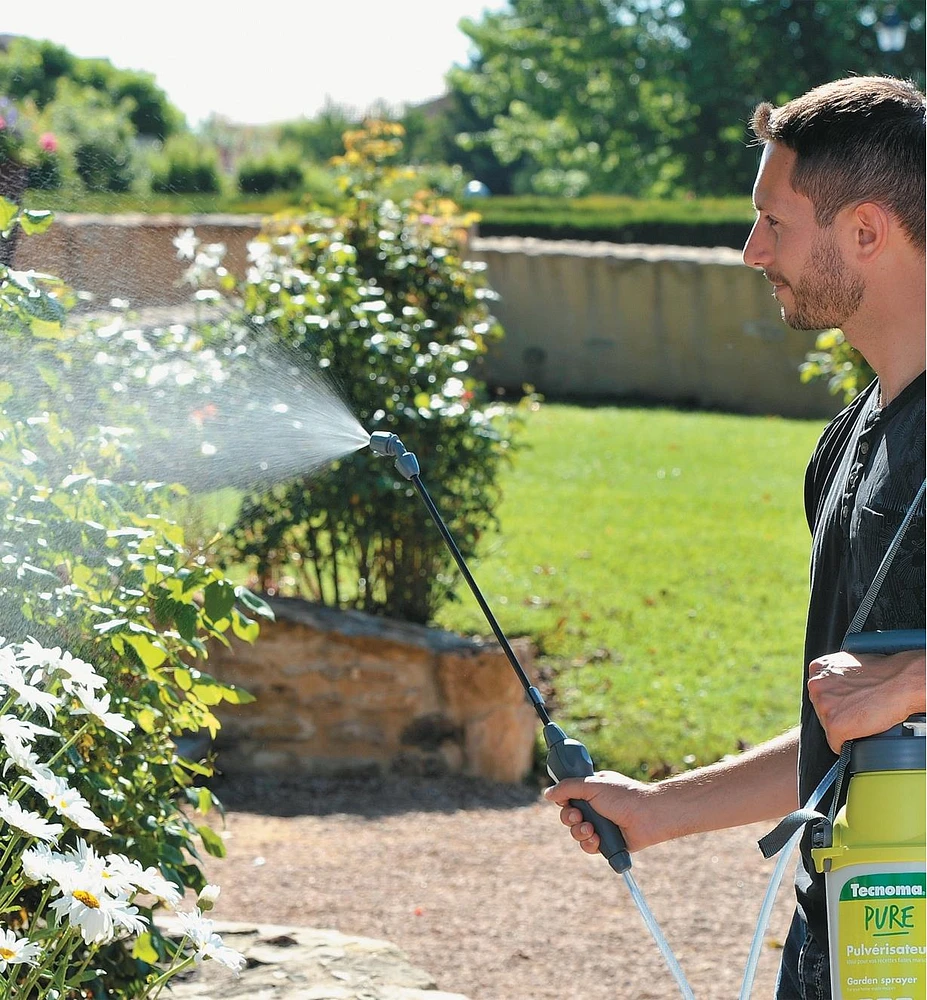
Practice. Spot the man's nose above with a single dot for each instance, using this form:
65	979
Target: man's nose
756	250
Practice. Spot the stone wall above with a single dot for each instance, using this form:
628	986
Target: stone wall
690	326
342	692
674	325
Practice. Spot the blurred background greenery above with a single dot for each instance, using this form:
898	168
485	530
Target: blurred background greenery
589	119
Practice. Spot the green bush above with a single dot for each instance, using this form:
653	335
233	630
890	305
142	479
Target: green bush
99	135
846	370
186	166
379	299
276	171
94	567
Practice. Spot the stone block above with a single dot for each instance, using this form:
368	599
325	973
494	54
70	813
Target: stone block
343	692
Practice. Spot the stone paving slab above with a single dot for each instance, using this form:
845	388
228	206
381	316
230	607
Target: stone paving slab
285	962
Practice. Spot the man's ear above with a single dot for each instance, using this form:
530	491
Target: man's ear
871	227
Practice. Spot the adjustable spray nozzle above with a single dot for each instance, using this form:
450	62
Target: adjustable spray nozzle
385	443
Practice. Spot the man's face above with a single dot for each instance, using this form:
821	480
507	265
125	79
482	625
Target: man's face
811	280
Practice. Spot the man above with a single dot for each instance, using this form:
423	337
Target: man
839	233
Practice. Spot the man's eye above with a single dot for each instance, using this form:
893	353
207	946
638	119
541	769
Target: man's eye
771	221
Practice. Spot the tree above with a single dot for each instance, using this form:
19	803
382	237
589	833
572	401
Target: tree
653	96
31	69
319	138
737	53
576	94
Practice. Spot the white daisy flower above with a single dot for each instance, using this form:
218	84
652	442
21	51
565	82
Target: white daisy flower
27	822
42	864
207	944
99	709
66	801
12	678
17	951
17	735
186	242
206	900
86	905
84	858
25	758
58	661
13	727
128	875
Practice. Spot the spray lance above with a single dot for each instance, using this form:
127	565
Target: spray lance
566	757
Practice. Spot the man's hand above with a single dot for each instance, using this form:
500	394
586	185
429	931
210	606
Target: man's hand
859	695
612	795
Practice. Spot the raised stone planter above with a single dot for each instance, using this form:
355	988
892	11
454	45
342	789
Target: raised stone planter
342	692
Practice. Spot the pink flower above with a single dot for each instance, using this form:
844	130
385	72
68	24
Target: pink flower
48	142
2	122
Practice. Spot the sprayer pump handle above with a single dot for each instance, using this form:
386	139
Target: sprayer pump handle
568	758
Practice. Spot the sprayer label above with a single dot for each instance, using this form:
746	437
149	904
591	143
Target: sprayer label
881	943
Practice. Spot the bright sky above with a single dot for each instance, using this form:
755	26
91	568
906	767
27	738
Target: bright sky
274	60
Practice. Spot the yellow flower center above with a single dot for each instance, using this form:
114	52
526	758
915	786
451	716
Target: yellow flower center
6	954
87	898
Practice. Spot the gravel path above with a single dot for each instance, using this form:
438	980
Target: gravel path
481	886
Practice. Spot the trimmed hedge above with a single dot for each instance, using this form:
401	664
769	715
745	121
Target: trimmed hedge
699	222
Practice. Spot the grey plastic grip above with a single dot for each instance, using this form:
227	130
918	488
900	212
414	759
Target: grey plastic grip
885	643
568	758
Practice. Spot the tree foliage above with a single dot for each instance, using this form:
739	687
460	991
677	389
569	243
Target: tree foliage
32	69
651	97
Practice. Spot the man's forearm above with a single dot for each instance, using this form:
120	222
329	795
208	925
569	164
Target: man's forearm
759	784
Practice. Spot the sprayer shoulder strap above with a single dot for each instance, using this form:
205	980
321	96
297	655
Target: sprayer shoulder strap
776	839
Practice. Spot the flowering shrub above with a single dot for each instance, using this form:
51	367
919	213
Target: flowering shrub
21	139
380	300
93	569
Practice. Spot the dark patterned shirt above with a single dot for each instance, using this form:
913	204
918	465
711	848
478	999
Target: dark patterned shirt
862	478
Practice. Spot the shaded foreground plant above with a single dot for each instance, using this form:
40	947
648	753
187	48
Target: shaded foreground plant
63	906
94	570
846	370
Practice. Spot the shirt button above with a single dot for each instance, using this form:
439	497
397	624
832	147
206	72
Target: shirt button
864	448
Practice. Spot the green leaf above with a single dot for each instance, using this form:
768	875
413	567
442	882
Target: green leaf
213	843
8	212
244	628
254	603
143	950
219	599
152	656
185	618
35	220
208	694
146	719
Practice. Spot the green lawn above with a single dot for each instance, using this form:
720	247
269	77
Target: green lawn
658	559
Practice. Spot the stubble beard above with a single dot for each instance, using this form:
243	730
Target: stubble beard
827	292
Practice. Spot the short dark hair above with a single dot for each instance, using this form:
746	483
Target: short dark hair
857	139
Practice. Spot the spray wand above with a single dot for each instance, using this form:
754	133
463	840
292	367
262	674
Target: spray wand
566	758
